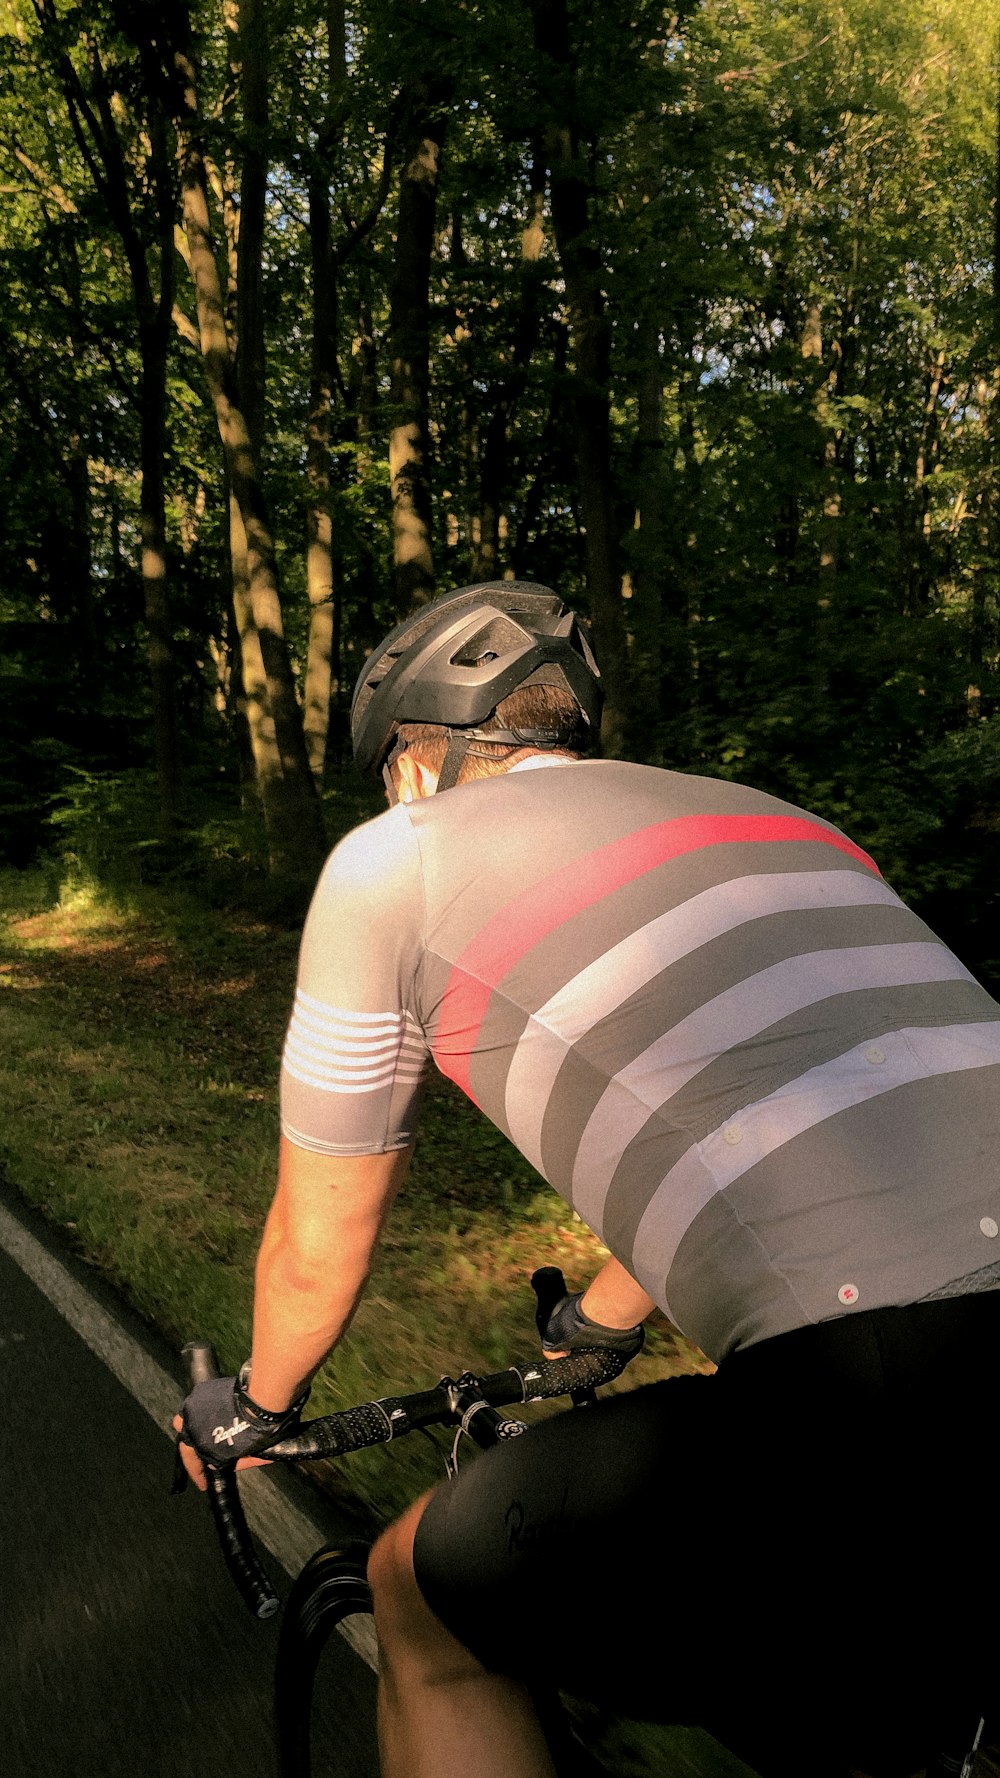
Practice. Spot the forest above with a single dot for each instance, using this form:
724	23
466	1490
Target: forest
308	313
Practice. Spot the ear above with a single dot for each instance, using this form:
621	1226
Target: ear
416	781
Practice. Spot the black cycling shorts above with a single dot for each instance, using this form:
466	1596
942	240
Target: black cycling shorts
809	1538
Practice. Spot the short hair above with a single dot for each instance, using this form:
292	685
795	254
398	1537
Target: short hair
529	707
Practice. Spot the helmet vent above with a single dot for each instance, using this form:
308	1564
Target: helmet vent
496	638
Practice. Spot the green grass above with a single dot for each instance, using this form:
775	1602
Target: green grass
139	1048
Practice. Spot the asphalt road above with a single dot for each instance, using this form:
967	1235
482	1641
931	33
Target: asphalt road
123	1648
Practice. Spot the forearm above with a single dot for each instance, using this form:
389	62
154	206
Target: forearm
301	1311
614	1299
314	1262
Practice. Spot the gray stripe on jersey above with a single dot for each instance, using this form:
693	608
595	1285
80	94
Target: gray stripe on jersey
664	1141
751	1071
743	1011
627	968
895	1059
681	997
499	1036
896	1218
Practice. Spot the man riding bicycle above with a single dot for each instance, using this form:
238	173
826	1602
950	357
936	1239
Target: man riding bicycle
707	1021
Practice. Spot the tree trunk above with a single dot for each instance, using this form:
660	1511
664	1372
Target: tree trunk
251	697
153	428
658	610
320	587
496	441
79	566
292	815
829	544
93	121
319	522
829	498
409	329
984	638
928	454
251	357
554	430
591	395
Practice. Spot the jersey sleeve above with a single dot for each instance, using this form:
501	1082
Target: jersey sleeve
355	1053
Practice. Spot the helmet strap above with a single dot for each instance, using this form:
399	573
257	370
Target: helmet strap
543	739
458	747
461	742
398	747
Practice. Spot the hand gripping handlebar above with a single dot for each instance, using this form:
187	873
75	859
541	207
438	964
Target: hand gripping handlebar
231	1526
468	1402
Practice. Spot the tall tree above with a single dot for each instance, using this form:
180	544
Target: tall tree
133	177
590	328
422	139
330	250
296	841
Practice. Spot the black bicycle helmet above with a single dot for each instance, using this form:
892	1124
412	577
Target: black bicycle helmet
453	661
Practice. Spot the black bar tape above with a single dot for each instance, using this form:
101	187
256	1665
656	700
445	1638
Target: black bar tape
334	1436
543	1378
234	1537
376	1422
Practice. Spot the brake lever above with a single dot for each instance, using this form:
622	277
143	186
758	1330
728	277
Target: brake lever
549	1287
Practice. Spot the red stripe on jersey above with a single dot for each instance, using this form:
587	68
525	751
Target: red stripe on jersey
531	916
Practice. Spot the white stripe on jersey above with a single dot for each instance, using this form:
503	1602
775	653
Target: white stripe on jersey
612	978
332	1083
338	1021
741	1012
338	1051
876	1066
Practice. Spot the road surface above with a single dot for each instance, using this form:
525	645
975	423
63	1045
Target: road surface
123	1647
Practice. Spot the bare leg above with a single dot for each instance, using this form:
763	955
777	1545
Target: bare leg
441	1714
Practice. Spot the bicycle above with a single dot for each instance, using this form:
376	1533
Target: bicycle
333	1584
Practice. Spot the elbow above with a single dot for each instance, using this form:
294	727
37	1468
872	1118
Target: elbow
306	1267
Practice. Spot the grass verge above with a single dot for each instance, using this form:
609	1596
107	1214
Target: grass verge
139	1049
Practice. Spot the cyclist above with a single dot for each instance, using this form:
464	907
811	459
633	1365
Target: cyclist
709	1023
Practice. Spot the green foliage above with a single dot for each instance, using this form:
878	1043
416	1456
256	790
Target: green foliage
105	828
790	217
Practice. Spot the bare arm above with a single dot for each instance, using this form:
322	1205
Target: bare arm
314	1261
615	1299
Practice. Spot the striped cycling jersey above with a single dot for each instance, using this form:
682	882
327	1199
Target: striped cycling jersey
699	1012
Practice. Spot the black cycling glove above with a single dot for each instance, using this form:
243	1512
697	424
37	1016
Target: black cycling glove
223	1422
569	1330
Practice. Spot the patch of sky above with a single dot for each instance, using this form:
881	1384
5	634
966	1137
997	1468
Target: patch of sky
717	366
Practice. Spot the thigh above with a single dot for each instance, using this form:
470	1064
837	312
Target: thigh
692	1552
548	1554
